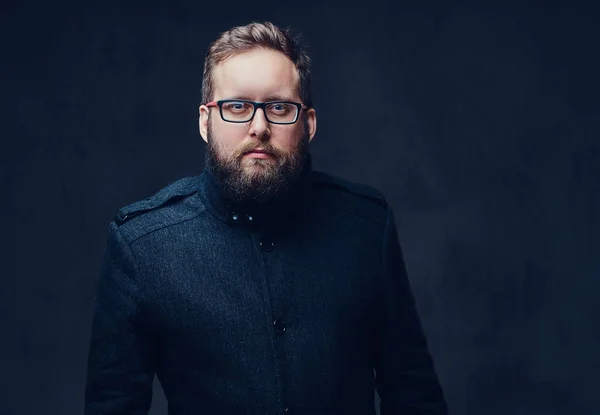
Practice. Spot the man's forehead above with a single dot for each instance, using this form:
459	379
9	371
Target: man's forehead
256	74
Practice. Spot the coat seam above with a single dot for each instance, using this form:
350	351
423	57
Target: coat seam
167	226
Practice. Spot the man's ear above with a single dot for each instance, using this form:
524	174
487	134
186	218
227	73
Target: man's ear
311	121
203	122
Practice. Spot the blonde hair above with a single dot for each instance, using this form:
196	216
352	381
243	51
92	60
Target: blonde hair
257	35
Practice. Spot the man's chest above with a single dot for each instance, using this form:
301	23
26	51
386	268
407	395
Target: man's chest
237	285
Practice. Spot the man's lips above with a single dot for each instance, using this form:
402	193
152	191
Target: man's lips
263	154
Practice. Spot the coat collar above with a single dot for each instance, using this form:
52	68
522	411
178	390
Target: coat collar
286	208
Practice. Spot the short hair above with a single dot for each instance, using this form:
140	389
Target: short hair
257	35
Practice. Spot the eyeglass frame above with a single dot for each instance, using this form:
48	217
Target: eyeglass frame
255	106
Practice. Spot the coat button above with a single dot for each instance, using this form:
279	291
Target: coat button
278	326
267	244
288	411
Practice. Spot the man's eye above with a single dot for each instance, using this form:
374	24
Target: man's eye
236	106
279	108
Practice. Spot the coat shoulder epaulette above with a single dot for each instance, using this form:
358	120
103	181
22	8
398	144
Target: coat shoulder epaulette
356	198
357	189
166	196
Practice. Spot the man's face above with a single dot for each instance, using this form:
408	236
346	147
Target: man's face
257	75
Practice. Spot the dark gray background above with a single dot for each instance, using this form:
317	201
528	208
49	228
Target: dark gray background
478	121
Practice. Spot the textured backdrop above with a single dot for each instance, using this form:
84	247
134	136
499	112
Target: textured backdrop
479	123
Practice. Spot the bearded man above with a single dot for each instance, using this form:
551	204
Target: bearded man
260	286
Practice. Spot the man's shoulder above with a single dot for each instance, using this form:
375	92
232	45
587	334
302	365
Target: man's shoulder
352	197
169	205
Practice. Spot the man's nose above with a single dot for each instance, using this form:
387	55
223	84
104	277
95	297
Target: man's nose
259	126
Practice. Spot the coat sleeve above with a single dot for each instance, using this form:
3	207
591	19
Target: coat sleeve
405	377
120	366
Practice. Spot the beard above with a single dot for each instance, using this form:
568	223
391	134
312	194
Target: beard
254	180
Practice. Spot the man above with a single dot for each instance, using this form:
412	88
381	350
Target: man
260	286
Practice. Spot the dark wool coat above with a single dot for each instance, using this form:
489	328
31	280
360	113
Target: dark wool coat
300	307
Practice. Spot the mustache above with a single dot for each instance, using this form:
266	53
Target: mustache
265	148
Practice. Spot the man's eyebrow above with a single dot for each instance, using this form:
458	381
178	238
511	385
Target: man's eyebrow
277	98
266	99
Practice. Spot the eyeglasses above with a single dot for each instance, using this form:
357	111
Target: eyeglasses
240	110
